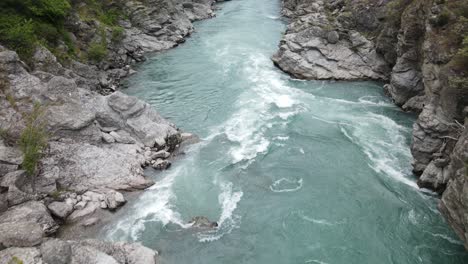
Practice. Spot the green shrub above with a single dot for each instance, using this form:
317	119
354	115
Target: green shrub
51	10
17	33
117	34
97	51
47	32
33	139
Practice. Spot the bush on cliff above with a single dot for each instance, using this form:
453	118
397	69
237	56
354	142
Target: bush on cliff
25	23
33	140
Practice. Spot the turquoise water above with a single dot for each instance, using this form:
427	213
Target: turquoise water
293	171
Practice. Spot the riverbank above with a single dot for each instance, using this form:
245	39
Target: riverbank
98	140
414	46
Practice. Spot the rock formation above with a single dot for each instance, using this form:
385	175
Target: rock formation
420	48
99	140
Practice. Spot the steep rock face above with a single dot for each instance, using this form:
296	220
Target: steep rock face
316	45
417	45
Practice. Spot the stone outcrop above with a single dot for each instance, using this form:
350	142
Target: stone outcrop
318	46
55	251
414	45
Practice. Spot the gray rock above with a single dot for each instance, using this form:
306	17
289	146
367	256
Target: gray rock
161	164
79	214
27	255
114	200
20	234
55	251
80	205
16	178
162	154
333	37
11	155
90	221
32	212
60	209
202	222
16	196
108	138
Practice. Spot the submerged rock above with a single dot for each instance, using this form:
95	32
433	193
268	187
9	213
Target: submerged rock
202	222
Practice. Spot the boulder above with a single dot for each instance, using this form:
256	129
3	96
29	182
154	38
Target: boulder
333	37
60	209
114	200
161	164
20	234
202	222
162	154
55	251
32	211
79	214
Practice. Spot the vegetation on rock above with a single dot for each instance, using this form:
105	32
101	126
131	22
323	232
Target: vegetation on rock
33	139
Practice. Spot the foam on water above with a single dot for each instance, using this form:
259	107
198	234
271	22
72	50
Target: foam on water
267	98
385	153
286	185
156	204
228	200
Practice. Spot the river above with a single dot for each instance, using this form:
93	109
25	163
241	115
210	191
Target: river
293	171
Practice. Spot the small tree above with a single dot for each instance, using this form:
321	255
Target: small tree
33	140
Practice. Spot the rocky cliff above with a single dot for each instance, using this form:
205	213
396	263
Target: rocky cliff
420	49
98	140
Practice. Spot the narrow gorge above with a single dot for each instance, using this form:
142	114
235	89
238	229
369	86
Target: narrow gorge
252	131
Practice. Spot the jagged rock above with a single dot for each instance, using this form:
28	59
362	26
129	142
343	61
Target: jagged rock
162	154
305	50
161	164
78	214
27	255
114	200
433	178
108	138
60	209
55	251
202	222
80	205
20	234
16	196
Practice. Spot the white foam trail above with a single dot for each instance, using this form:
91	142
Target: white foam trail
385	152
273	17
267	99
316	221
282	138
274	187
155	205
449	239
228	200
